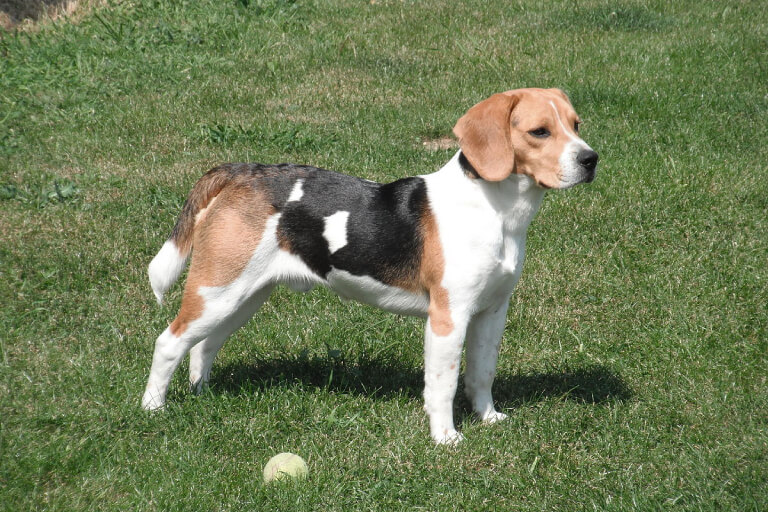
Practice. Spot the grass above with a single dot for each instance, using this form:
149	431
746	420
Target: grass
634	362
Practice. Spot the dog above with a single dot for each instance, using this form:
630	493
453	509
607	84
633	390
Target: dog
447	246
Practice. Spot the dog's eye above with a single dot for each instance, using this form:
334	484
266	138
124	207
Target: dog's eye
540	133
576	126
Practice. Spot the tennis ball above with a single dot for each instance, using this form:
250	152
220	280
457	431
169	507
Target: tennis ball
285	465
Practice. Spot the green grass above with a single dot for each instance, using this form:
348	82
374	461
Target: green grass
635	358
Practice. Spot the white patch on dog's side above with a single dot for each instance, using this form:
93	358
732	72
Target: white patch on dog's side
336	230
297	192
165	269
368	290
290	270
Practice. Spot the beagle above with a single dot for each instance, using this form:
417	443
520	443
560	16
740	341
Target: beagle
447	246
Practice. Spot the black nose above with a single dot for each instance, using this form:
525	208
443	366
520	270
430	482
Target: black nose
587	159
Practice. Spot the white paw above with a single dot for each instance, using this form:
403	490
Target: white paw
493	417
152	403
449	437
197	385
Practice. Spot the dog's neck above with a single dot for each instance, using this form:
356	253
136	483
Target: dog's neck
516	199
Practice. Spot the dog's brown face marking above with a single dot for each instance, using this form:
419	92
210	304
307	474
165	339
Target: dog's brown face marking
524	131
542	123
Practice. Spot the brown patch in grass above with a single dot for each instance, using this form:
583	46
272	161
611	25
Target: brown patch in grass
439	143
28	14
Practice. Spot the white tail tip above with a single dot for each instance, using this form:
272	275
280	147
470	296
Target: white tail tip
165	269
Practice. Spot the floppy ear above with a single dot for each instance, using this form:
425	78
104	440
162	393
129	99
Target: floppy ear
484	136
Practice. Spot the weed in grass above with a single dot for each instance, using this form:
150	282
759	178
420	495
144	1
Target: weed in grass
269	7
55	192
614	17
223	134
286	139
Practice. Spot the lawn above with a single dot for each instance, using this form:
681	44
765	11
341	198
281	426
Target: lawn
635	357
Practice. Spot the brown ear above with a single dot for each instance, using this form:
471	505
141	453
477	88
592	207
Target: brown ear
484	137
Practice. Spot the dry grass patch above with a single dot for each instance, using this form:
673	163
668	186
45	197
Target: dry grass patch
439	143
309	101
28	14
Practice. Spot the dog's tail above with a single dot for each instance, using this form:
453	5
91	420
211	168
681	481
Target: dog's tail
167	265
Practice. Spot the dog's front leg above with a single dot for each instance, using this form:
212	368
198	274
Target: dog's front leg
442	360
483	341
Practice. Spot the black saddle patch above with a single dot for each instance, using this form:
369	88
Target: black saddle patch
384	230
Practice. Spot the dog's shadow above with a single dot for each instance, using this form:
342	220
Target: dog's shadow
591	384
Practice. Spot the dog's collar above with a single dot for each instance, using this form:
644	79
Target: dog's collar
467	167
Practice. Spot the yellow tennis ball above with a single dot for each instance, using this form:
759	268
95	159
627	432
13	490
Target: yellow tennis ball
285	465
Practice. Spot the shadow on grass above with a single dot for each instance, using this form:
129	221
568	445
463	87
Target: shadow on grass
594	384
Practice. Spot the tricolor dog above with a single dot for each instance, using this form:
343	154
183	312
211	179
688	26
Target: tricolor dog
447	246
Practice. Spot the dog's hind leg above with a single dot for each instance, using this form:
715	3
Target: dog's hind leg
170	349
201	356
205	313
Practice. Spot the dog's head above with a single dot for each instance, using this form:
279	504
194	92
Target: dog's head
534	132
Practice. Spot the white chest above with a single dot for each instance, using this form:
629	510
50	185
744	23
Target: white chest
483	229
